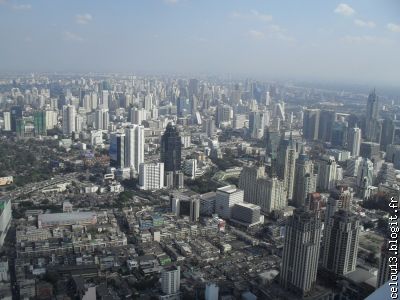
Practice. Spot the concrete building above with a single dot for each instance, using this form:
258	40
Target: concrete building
134	147
305	181
301	252
5	219
151	176
354	141
246	214
171	281
341	236
226	198
68	117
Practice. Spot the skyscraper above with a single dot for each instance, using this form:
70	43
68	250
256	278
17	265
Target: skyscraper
69	122
364	177
151	176
354	141
248	182
305	180
386	259
311	124
270	194
102	119
256	124
7	120
39	119
226	198
373	127
16	114
286	163
117	150
171	146
134	146
341	243
301	251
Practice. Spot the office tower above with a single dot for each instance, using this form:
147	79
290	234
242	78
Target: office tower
327	172
96	138
339	199
301	252
286	163
134	146
370	150
248	182
305	181
387	174
354	141
246	213
151	176
270	194
7	120
209	126
339	133
178	180
94	100
341	236
51	119
393	155
79	123
190	168
239	121
365	177
137	115
171	146
272	139
186	206
235	96
387	133
226	198
326	120
117	150
148	102
373	126
224	114
69	122
104	100
169	179
170	281
102	119
256	124
39	119
387	258
16	114
311	124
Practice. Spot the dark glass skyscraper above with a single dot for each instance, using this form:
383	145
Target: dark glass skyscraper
171	146
16	114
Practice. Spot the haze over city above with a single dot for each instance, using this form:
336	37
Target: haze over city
355	41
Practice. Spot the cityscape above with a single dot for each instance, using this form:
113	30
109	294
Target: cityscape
127	178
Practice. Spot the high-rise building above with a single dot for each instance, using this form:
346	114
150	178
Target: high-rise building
270	194
339	133
7	120
257	124
170	281
134	146
102	119
39	119
327	172
365	177
5	219
326	120
311	124
248	182
117	150
386	259
16	114
51	119
286	163
137	115
151	176
224	114
305	180
226	198
373	126
171	146
354	141
341	237
301	251
69	119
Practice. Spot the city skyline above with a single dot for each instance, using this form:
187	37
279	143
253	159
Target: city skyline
353	42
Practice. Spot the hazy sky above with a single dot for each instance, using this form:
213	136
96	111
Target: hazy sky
309	39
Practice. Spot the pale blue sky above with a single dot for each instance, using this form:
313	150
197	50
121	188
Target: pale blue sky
310	39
